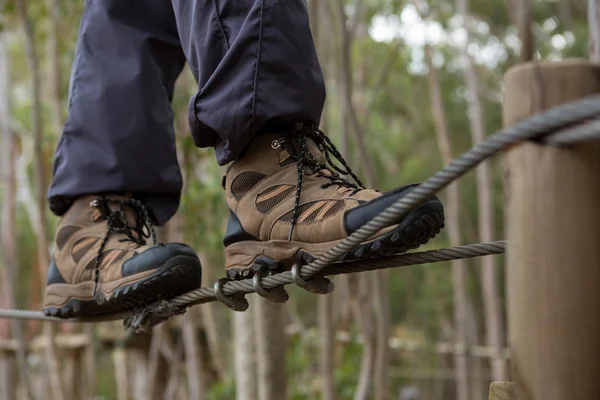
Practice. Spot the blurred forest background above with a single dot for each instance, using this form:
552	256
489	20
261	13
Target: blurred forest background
411	84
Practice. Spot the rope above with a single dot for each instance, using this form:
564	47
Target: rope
207	295
560	121
581	132
245	286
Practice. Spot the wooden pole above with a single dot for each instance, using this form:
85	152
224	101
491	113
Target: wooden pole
553	232
502	391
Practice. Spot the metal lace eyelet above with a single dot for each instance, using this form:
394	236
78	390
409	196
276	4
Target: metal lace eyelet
275	144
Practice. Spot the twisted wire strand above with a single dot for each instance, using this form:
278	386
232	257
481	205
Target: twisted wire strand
582	132
206	295
532	128
564	123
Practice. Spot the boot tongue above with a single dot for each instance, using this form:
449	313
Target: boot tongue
312	147
315	151
113	205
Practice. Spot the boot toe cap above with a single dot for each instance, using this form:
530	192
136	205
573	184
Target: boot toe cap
159	256
358	216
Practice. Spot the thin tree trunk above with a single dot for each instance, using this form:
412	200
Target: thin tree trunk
155	377
89	358
594	29
565	13
382	351
119	356
36	128
344	81
271	346
326	363
379	279
39	171
446	335
73	373
139	373
363	314
325	303
175	372
346	96
211	328
8	274
244	355
478	389
491	298
193	359
376	369
53	52
8	257
453	223
193	351
524	25
7	386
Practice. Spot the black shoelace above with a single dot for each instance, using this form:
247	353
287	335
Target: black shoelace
117	223
305	160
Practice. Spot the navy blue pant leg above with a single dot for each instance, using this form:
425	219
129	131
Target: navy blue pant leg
256	67
118	136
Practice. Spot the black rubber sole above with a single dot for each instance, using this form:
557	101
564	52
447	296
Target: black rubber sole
416	229
179	275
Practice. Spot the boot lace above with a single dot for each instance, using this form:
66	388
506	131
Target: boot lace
118	224
308	164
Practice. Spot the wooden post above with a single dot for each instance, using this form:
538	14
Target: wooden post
553	233
502	391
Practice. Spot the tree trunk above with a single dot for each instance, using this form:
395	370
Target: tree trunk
378	367
271	349
325	303
53	52
139	373
119	356
244	355
7	220
565	13
453	223
193	359
594	29
343	82
175	365
39	172
326	364
347	116
524	25
363	313
211	328
382	351
192	349
89	358
155	376
7	386
491	298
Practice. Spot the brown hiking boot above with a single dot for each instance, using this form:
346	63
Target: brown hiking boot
287	202
103	265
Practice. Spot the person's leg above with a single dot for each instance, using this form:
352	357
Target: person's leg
118	136
256	67
260	98
117	143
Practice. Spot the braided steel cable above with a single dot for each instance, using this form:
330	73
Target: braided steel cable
563	121
206	295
